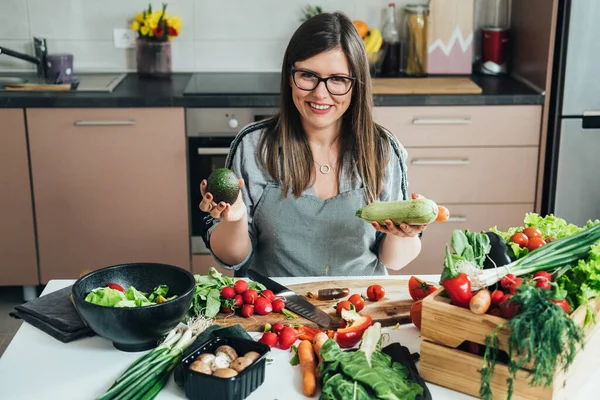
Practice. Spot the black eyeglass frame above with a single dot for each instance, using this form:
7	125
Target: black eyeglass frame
319	80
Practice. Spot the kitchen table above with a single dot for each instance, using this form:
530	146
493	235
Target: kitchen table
37	366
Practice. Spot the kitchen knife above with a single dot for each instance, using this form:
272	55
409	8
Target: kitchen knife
293	302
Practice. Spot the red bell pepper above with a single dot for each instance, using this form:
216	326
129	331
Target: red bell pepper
457	284
115	286
354	325
306	333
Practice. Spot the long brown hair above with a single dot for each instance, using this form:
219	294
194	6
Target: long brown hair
284	148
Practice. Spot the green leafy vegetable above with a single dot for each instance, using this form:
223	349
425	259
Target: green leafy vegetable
468	246
106	296
366	373
537	334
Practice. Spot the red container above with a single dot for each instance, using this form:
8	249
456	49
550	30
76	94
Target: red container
495	50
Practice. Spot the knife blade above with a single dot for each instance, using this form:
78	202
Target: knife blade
293	302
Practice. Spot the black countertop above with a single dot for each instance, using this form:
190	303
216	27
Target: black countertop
248	90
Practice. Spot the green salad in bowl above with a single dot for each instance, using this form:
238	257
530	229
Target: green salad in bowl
114	295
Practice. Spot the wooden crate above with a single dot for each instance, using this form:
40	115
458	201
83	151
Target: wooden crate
444	327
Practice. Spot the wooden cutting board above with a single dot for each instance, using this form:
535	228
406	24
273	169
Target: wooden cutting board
36	86
393	308
428	85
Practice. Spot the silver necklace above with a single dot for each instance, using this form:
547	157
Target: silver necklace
324	168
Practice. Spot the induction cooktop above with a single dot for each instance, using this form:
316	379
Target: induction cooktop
232	83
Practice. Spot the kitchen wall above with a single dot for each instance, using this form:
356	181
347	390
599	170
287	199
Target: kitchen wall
223	35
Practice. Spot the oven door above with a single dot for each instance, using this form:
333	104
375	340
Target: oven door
205	154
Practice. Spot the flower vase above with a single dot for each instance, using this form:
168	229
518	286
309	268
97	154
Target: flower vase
153	58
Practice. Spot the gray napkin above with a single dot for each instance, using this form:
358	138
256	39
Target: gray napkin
54	314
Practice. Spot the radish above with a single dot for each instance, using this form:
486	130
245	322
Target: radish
287	337
247	310
277	327
269	338
238	300
250	296
228	292
268	294
262	306
240	286
278	305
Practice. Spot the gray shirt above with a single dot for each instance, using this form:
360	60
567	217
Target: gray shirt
309	236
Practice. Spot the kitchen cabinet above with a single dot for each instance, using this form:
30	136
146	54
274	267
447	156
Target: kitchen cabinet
202	262
110	187
18	266
479	161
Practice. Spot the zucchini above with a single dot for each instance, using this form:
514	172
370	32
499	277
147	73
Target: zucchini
420	211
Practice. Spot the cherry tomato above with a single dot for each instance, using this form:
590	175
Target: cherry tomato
507	280
535	242
358	301
532	232
419	289
415	313
375	292
344	304
520	238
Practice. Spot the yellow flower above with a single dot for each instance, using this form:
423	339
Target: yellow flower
139	17
135	26
144	30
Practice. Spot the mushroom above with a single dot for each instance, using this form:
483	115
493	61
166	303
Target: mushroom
241	363
225	373
228	351
252	356
206	358
220	361
201	367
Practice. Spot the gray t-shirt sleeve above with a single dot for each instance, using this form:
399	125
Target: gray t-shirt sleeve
244	162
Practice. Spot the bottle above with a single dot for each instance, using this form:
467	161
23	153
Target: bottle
495	38
391	39
415	33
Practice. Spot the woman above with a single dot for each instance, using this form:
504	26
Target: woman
305	172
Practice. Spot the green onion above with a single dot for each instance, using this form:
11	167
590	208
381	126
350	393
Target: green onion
556	254
146	376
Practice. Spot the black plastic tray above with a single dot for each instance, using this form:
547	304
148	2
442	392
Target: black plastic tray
199	386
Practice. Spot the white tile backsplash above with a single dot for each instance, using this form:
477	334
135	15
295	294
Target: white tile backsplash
223	35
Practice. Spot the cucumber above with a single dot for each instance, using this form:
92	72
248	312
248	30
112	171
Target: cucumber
412	212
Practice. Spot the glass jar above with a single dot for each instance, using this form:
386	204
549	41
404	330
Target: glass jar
415	38
153	58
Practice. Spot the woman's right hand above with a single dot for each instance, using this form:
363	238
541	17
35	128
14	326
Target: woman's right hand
223	211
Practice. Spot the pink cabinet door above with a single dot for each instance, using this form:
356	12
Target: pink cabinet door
110	187
18	264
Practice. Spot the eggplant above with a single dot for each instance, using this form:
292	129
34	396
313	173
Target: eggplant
498	252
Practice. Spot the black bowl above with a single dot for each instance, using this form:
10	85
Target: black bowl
136	328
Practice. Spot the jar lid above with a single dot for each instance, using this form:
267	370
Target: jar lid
416	9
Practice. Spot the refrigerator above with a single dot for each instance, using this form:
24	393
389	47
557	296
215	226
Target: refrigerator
572	174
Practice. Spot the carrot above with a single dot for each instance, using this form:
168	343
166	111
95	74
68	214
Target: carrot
480	302
443	214
306	356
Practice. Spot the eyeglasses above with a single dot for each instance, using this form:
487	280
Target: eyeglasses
337	85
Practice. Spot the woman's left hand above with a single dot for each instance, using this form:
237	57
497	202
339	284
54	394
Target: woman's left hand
403	230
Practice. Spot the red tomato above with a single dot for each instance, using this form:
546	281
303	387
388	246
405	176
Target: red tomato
268	294
262	306
278	305
240	286
532	232
415	313
520	238
115	286
535	242
343	304
497	295
269	338
250	296
550	239
419	289
507	280
358	301
287	337
375	292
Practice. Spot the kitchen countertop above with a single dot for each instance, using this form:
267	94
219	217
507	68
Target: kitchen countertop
37	366
142	92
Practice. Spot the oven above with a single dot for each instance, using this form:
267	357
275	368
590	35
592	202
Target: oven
210	132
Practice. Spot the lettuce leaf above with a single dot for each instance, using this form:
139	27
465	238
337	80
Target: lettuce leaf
105	296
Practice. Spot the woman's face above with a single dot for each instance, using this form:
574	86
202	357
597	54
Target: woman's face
318	108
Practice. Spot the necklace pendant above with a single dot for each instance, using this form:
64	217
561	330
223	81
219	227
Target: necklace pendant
324	169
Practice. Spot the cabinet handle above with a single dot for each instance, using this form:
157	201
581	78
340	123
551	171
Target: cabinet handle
441	162
210	151
105	123
457	219
441	121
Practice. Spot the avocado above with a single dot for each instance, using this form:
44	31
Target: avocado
223	185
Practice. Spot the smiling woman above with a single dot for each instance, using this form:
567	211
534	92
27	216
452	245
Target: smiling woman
305	172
